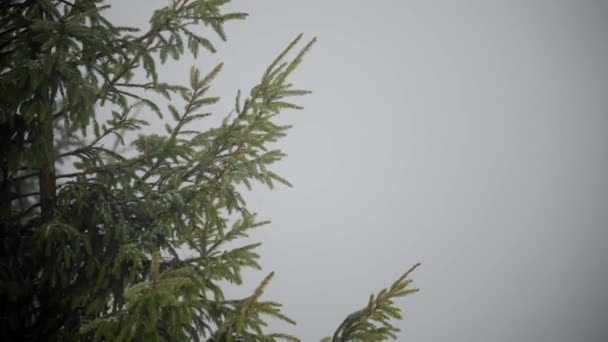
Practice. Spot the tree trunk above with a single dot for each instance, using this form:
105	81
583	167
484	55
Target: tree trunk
46	176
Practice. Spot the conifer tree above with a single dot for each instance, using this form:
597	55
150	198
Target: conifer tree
97	253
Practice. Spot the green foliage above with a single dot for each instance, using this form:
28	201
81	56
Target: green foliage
372	323
135	247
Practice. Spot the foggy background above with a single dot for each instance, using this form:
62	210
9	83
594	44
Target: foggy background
471	136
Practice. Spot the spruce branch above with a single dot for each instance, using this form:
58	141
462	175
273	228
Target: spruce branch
372	322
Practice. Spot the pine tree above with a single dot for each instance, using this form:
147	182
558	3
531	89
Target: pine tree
98	253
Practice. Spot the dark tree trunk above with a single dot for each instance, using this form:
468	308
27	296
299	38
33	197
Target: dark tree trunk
48	185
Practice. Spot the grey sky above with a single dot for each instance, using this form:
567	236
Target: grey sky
468	135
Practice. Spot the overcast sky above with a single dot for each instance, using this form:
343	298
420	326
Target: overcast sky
471	136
